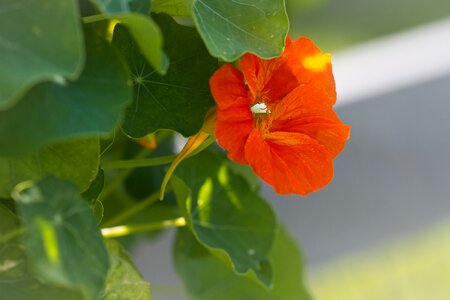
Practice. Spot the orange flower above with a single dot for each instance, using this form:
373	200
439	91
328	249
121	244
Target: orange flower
277	116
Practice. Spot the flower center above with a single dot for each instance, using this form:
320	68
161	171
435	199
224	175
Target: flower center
259	108
261	116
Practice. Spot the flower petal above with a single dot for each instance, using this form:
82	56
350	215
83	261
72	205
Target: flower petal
291	162
310	65
227	85
307	110
234	124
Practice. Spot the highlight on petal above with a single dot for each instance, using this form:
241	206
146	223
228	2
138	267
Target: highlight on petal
317	62
292	163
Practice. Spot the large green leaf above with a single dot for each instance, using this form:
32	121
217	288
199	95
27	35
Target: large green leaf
224	213
171	7
37	43
75	160
62	237
231	28
90	106
134	14
124	281
17	282
180	99
215	280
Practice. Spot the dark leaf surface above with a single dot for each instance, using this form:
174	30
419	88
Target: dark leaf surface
180	99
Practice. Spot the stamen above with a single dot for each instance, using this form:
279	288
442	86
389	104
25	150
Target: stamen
259	108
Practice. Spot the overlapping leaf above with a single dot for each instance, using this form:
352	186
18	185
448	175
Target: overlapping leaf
124	281
17	280
215	280
37	43
89	106
180	99
62	236
134	14
171	7
224	213
231	28
75	160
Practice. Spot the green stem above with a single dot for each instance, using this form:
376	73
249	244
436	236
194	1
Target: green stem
151	162
120	218
123	230
93	18
15	233
138	163
120	176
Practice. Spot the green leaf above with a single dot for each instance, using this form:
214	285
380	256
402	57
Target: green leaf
95	188
170	7
180	99
16	280
224	213
90	106
134	15
124	281
215	280
73	160
120	6
62	236
231	28
34	48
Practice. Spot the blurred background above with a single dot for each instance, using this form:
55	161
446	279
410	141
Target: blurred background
381	229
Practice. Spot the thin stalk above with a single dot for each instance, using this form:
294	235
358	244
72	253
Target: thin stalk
15	233
123	230
120	176
93	18
151	162
121	218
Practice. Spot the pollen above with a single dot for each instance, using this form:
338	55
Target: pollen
317	62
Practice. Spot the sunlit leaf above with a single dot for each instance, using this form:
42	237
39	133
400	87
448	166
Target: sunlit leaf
224	213
89	106
37	43
180	99
62	237
231	28
124	281
215	280
171	7
74	160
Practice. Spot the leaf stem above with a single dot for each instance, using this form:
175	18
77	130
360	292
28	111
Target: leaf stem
120	218
123	230
12	234
93	18
151	162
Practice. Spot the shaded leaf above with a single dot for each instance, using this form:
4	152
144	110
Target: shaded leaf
180	99
231	28
124	281
73	160
134	14
90	106
170	7
62	236
17	282
95	188
34	48
215	280
224	213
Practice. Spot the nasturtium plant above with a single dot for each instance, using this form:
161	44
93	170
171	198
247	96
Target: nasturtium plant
95	99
